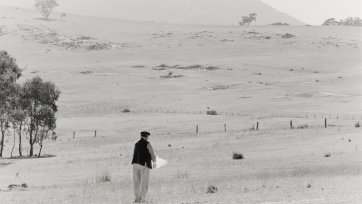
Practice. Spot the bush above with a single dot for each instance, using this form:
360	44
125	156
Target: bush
211	189
328	155
211	112
126	110
237	156
357	125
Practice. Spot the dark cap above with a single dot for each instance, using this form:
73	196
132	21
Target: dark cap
145	134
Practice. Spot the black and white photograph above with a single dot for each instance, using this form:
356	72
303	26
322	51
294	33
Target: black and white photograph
180	101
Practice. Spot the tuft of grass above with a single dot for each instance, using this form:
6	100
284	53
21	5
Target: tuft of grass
211	189
104	178
237	156
303	126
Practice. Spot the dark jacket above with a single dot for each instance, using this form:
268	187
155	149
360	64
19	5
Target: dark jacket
141	155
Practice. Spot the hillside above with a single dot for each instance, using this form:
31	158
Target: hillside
209	12
169	76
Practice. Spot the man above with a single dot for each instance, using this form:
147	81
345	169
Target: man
143	157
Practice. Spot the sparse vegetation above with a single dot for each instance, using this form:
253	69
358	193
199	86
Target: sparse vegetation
104	177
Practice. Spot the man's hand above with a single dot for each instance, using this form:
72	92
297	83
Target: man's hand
154	164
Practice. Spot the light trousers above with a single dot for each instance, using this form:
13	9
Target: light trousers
141	176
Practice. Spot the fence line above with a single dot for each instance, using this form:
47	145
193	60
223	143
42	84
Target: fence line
88	109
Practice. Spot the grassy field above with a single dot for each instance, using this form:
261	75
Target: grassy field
103	66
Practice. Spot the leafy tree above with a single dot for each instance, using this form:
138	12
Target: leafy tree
46	7
18	117
350	21
330	22
9	70
40	97
7	93
246	20
9	73
47	123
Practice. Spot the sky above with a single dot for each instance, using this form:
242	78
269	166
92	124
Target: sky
309	11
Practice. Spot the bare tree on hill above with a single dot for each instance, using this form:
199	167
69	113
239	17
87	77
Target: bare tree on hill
45	7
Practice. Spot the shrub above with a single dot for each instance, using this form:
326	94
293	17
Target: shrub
211	112
126	110
237	156
357	125
211	189
328	155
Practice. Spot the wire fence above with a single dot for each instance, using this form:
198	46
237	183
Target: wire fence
103	110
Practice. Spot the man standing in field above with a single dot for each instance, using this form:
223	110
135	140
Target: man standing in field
143	156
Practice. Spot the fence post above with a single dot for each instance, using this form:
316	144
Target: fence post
74	135
291	124
95	133
225	127
197	129
325	122
257	125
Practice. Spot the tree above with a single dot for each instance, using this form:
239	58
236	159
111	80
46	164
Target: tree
47	123
46	7
40	97
350	21
9	70
330	22
9	73
7	93
18	117
248	19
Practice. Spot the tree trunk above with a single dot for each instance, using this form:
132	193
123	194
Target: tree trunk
12	149
2	143
19	133
41	147
31	145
